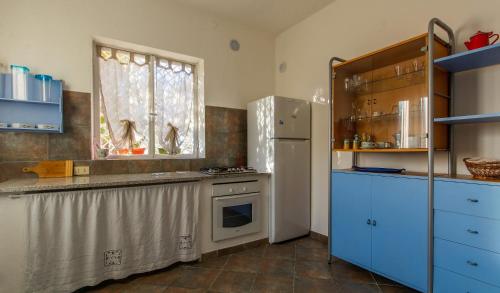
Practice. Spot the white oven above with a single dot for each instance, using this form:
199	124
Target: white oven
236	209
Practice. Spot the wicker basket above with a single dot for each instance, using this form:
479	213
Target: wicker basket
483	169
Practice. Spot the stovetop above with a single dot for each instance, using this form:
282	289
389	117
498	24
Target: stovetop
227	170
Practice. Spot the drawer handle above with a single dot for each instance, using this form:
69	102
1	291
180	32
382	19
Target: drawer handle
472	231
369	222
472	263
473	200
374	223
230	190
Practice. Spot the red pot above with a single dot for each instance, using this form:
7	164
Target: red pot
138	151
480	39
122	151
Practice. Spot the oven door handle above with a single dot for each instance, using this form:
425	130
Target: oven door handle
226	197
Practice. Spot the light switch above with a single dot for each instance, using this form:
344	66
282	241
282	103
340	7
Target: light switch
81	170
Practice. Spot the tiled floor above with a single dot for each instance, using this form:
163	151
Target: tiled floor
297	266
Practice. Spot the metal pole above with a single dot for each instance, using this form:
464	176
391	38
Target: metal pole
331	76
430	163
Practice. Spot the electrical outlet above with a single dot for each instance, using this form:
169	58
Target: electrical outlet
81	170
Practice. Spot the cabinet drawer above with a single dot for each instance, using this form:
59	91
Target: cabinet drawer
472	262
474	231
236	188
449	282
468	198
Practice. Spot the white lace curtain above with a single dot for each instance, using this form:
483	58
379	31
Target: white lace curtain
124	94
125	91
174	105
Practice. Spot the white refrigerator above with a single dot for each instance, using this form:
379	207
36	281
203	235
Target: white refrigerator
279	132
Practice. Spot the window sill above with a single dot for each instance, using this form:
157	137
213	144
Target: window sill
147	157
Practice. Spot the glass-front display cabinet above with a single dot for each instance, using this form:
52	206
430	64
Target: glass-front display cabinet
380	99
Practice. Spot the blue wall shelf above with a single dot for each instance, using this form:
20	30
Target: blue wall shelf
33	110
480	118
469	60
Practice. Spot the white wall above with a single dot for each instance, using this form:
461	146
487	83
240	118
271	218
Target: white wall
55	37
348	28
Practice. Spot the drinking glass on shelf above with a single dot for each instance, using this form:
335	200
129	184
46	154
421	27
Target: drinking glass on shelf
408	69
415	65
398	70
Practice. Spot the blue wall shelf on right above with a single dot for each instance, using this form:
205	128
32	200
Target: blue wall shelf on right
467	119
469	60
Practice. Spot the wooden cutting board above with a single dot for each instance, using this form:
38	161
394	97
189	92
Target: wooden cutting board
46	169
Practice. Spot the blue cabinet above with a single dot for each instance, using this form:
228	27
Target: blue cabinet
466	236
399	238
380	223
351	218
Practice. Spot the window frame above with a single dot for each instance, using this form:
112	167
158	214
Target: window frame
155	55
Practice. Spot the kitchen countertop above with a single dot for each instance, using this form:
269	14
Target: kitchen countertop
19	186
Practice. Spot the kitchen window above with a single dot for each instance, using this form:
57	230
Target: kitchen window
147	105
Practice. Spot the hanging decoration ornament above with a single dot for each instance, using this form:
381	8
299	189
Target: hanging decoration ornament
128	133
172	140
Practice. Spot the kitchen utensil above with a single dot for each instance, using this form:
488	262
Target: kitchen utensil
46	169
483	168
480	39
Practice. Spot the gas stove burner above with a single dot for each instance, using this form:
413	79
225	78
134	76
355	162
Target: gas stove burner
227	170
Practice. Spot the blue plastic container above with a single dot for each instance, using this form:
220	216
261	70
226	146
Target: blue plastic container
44	87
19	82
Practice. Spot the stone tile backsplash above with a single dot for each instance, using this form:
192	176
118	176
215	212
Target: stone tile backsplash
225	140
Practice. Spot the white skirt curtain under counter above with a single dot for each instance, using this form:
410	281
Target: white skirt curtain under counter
81	238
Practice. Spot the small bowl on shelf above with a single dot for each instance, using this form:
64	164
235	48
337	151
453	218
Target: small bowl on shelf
368	145
481	168
47	126
22	125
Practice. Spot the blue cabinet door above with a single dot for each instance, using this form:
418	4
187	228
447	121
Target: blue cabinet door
351	234
399	237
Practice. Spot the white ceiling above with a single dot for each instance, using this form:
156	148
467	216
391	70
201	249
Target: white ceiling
270	15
